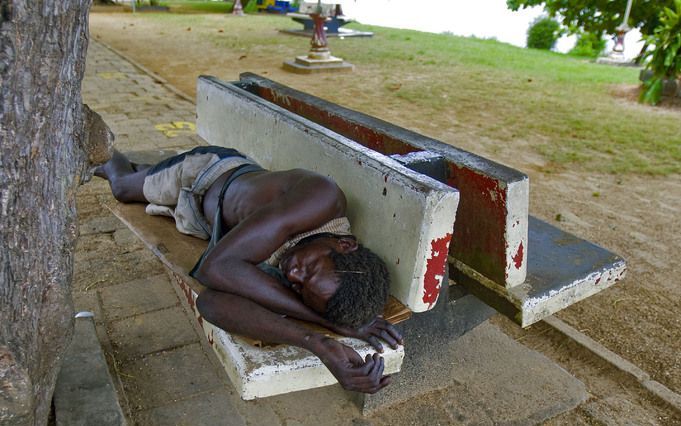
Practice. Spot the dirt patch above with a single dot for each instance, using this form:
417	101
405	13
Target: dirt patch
630	94
634	216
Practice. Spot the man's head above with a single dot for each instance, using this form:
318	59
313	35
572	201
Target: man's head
339	278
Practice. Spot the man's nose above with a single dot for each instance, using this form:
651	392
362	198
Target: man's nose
297	275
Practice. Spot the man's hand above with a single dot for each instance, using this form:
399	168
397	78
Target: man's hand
351	371
371	331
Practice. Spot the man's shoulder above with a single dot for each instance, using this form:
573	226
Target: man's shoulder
304	178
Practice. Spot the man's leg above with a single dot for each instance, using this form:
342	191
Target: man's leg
126	182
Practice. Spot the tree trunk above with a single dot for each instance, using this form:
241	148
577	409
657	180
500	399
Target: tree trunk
46	150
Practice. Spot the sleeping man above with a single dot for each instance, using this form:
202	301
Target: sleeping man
280	247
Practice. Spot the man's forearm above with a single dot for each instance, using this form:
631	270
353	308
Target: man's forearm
242	316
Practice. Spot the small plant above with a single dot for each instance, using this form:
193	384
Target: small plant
665	58
543	33
589	45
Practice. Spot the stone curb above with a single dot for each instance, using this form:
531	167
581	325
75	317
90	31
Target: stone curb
85	391
656	388
147	71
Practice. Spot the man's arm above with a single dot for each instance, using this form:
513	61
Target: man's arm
230	266
245	317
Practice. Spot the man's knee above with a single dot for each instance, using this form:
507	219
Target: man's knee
129	188
205	306
120	192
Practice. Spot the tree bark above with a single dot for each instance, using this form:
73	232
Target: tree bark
46	150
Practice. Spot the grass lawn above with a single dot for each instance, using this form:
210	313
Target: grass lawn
198	6
562	107
565	103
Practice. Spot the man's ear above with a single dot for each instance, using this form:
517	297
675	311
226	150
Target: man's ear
347	245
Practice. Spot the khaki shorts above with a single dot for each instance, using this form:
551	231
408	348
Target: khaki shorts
175	186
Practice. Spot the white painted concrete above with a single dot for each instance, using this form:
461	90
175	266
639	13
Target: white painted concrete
517	202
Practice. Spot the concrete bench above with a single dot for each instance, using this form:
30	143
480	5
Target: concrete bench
521	266
405	216
408	197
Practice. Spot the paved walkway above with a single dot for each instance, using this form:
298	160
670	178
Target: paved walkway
164	374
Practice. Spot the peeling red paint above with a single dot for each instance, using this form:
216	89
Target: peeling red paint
479	237
210	337
598	280
435	269
337	121
187	293
519	256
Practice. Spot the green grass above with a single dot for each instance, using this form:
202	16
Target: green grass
557	105
563	105
198	6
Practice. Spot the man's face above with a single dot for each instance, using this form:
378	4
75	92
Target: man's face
312	272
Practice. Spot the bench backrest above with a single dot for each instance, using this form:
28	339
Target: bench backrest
404	216
491	232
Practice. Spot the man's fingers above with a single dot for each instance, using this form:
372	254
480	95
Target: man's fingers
394	332
354	357
377	370
385	381
373	341
389	339
368	365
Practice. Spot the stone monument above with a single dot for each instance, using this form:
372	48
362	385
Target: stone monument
319	58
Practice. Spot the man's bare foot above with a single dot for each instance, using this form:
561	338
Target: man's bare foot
118	165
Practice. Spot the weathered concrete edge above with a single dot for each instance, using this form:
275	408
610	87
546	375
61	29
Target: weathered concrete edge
529	310
147	71
517	226
656	388
78	394
536	308
434	242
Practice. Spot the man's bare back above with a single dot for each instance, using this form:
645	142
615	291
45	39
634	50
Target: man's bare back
262	210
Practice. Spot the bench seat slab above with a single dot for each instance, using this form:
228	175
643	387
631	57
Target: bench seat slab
562	270
255	371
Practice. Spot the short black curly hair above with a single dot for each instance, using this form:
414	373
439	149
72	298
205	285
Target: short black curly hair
363	291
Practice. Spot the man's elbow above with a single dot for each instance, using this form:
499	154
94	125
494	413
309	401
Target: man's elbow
209	310
212	275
